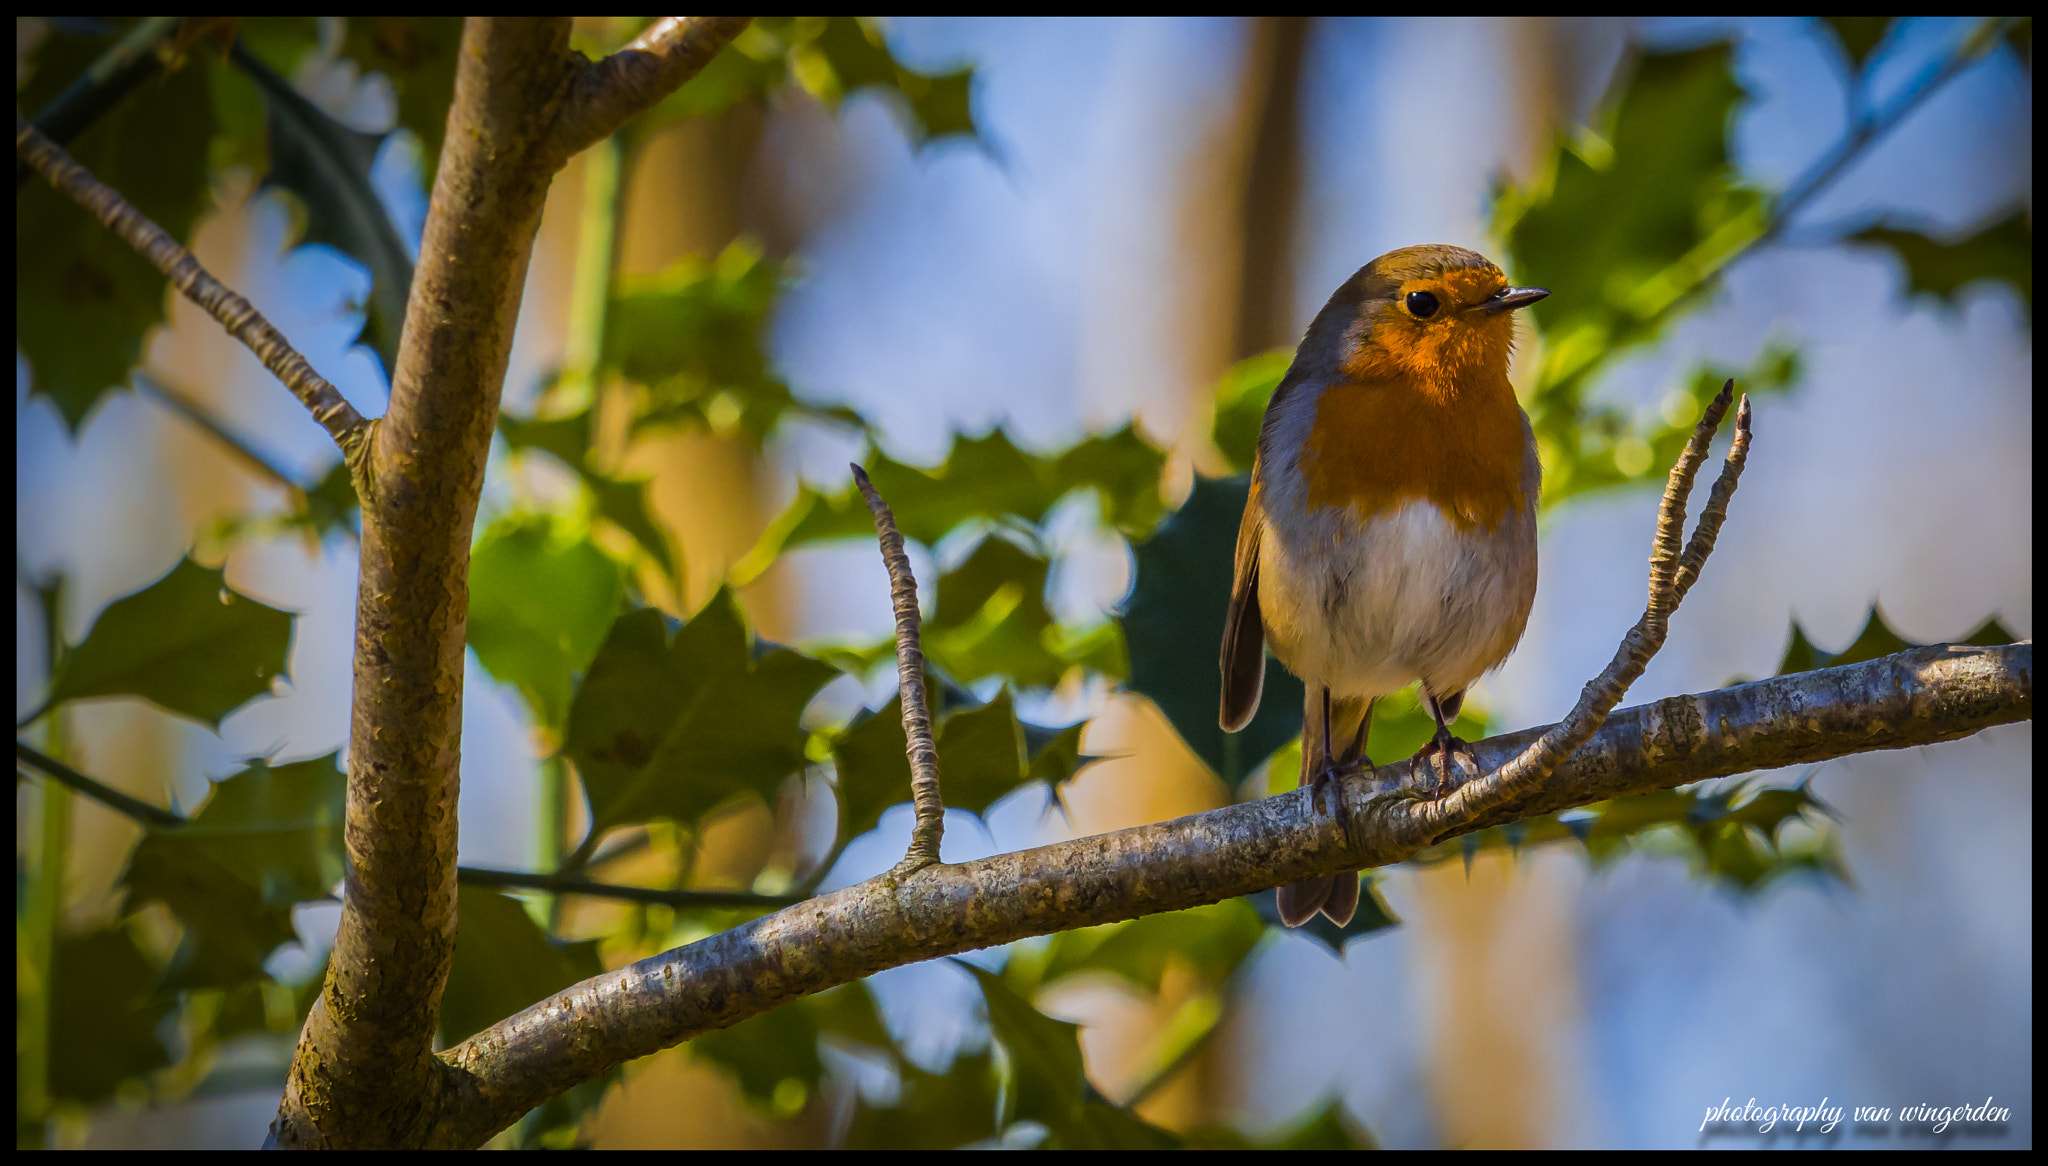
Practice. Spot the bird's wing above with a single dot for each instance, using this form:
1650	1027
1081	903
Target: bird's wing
1244	630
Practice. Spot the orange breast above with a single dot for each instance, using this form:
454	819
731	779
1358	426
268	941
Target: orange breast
1378	444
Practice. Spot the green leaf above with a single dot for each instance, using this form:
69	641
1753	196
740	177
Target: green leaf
843	55
873	769
2002	251
1241	400
1733	833
981	755
418	54
503	963
1876	639
539	607
691	338
848	1013
671	729
831	58
187	642
1630	223
934	1111
1173	626
773	1057
1858	36
268	837
84	300
620	501
991	618
1046	1083
103	1016
326	166
982	478
1211	940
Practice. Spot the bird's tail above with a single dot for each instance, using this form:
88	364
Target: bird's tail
1335	895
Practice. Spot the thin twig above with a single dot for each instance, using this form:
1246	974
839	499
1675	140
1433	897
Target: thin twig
104	794
917	719
1672	573
177	401
347	427
540	881
27	757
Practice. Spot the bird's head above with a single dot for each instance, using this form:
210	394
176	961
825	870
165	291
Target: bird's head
1434	314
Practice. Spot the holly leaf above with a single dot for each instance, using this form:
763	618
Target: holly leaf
539	607
933	1111
1631	218
981	755
982	478
772	1057
1876	639
620	501
838	56
672	727
691	338
503	963
1173	624
85	300
991	619
2002	251
267	838
1241	399
103	1016
872	767
1212	940
187	643
1045	1081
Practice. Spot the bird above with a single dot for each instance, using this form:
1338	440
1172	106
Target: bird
1389	536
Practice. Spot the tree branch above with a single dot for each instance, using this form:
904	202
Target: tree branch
347	427
612	92
917	718
1920	697
364	1073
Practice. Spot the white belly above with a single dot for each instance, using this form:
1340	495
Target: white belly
1367	610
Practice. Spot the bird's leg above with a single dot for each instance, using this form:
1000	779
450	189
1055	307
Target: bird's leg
1444	750
1333	767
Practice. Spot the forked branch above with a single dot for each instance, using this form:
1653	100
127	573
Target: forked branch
1672	574
917	718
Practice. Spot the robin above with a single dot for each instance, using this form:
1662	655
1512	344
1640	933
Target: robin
1390	534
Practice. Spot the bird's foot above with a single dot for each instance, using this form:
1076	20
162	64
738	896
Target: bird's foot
1443	754
1328	783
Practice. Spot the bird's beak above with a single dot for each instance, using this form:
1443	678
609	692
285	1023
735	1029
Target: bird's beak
1508	299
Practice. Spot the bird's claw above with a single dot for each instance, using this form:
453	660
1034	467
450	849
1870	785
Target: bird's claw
1444	753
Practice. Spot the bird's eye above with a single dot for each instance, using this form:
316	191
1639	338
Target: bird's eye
1421	305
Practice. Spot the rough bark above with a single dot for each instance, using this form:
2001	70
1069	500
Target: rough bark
1920	697
365	1073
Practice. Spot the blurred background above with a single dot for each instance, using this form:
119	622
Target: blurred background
1134	210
